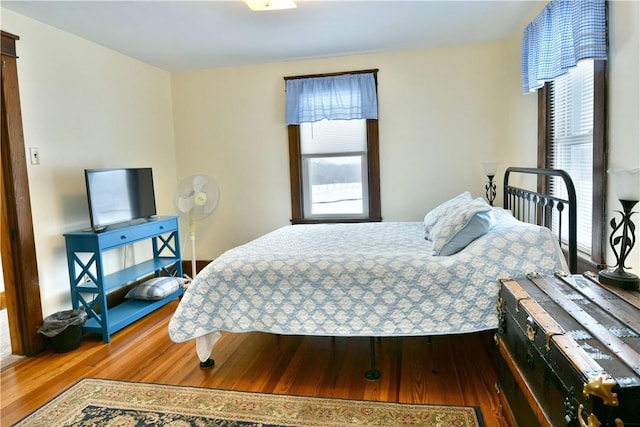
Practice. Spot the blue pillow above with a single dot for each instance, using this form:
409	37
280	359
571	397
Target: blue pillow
460	226
156	288
434	215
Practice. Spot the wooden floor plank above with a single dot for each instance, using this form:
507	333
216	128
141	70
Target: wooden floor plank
454	370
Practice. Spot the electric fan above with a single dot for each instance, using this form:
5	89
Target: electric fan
195	198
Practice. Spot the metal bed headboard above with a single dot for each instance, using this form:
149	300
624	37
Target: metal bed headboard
533	207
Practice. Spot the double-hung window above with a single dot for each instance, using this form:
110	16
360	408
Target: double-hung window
333	147
573	139
564	51
333	154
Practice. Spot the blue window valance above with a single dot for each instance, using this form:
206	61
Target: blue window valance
565	32
340	97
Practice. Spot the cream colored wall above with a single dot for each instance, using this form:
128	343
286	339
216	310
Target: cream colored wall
521	116
442	112
85	106
623	103
440	116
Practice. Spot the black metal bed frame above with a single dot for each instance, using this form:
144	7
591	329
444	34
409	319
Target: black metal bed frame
537	208
531	207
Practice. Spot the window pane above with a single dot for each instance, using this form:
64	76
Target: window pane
335	186
572	141
333	136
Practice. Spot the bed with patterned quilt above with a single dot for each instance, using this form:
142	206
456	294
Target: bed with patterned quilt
432	277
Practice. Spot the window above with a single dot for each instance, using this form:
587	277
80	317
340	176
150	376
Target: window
334	165
572	138
334	168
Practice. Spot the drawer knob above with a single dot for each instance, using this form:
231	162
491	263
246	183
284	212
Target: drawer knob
122	237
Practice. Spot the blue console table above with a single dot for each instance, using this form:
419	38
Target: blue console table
90	286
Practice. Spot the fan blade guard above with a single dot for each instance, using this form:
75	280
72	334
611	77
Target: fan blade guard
197	196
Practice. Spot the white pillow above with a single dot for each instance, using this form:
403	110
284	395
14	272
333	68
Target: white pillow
432	217
156	288
461	226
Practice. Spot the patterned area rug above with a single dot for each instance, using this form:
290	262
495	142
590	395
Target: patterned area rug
96	402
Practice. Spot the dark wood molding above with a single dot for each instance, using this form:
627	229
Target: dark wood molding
23	295
200	264
8	44
335	220
373	170
543	135
295	173
600	156
340	73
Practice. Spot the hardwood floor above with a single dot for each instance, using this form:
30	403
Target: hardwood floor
456	370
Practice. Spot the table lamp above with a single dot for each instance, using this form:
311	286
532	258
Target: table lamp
490	169
626	184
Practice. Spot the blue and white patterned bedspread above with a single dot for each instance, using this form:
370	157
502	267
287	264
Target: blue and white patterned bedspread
370	279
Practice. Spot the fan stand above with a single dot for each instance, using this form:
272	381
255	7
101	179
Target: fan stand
192	238
209	363
195	192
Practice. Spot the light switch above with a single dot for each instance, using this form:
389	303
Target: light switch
34	155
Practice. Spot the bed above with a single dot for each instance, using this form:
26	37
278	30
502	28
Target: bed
376	279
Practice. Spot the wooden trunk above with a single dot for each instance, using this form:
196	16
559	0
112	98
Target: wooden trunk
569	352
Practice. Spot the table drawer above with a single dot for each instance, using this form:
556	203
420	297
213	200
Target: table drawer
131	234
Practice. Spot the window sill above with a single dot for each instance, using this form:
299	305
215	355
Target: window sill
333	220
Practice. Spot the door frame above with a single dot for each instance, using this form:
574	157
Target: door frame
19	264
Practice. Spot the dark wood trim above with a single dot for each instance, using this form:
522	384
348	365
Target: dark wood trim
600	156
9	44
587	264
340	73
334	220
543	126
543	158
295	173
24	292
373	170
200	264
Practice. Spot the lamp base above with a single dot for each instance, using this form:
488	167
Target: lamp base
621	279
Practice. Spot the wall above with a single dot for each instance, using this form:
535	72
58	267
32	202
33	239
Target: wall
442	112
440	116
85	106
623	103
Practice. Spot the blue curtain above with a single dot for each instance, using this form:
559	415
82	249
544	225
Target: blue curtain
343	97
565	32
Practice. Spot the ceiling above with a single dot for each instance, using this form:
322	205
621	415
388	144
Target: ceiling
191	35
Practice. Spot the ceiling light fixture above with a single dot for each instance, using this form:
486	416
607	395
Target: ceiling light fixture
259	5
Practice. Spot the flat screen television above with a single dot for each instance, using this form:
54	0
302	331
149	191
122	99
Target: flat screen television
119	195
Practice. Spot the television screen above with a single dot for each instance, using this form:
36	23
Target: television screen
119	195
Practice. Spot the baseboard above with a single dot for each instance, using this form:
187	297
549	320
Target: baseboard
186	266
